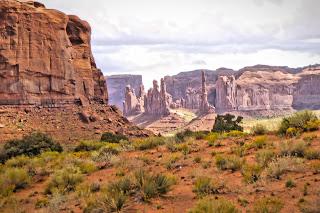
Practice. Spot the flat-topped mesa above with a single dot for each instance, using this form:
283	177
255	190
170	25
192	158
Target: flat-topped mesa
46	58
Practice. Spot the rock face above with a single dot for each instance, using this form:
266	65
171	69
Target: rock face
117	84
133	104
157	102
49	81
205	107
45	57
225	93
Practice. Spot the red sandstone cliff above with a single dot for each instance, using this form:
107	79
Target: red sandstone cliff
45	57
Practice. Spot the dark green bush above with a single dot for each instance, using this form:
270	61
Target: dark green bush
31	145
181	136
300	122
112	138
227	123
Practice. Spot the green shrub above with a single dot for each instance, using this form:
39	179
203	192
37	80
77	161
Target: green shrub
293	148
232	162
31	145
88	146
197	159
281	165
151	186
41	203
316	167
263	157
112	138
209	205
64	181
181	136
290	184
173	158
86	166
206	186
251	173
299	122
19	161
268	205
311	154
227	123
13	179
234	134
211	138
259	142
148	143
200	134
259	129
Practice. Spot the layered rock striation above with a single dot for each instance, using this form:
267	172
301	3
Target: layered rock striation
46	58
48	77
117	85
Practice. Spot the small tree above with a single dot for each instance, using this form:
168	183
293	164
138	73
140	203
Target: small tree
227	123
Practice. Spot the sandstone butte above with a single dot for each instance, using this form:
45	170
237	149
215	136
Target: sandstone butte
48	77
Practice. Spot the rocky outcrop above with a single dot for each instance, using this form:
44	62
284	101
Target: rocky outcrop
205	107
157	102
49	81
117	84
133	104
46	58
306	93
225	93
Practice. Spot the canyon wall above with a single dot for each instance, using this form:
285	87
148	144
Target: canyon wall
49	81
46	58
117	85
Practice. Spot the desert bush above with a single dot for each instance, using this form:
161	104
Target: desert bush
299	122
227	123
315	166
293	148
30	145
197	159
41	203
232	162
88	146
251	172
281	165
209	205
86	166
290	184
13	179
200	134
259	142
113	138
206	186
268	205
19	161
259	129
234	134
148	143
172	160
64	181
311	154
181	136
239	150
307	206
263	157
151	186
211	138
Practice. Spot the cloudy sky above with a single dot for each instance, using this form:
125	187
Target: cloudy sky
163	37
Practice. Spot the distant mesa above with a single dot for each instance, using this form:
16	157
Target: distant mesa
259	90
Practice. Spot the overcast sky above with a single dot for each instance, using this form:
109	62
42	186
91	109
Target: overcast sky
163	37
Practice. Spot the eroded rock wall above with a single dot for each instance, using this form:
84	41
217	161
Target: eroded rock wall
45	57
117	84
